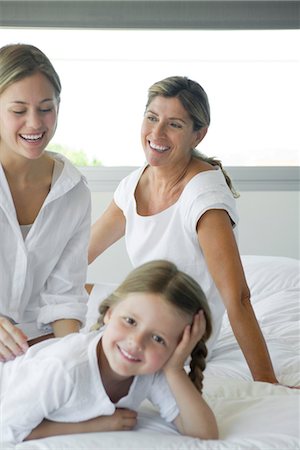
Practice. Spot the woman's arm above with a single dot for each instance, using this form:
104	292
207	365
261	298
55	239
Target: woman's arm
63	327
121	420
108	229
221	253
195	417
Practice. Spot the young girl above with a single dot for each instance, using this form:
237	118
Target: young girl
44	209
96	381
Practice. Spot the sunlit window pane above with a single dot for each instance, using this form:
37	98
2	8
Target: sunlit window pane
251	77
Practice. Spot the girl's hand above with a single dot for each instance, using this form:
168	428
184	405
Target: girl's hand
120	420
191	335
195	417
13	342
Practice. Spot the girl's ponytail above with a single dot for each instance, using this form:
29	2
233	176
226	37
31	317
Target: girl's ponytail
198	364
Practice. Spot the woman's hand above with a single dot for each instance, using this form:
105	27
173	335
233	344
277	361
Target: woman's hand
13	342
191	335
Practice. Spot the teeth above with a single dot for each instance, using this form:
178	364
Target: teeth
31	137
159	148
125	353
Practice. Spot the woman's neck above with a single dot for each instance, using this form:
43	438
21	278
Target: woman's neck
167	179
27	171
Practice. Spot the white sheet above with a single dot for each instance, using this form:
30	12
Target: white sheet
251	416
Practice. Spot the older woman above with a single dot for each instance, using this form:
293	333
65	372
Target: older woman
180	206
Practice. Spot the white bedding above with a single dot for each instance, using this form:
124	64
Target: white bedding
250	415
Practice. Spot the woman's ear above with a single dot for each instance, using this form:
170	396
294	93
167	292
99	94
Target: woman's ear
107	316
200	135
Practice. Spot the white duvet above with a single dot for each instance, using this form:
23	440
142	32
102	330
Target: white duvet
251	416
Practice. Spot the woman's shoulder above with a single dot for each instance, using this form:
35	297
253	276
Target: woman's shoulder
125	190
69	183
209	178
132	178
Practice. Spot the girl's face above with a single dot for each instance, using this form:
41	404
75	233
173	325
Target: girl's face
28	117
142	332
167	132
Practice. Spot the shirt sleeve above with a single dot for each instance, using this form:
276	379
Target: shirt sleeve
124	192
161	396
36	388
218	197
64	295
119	195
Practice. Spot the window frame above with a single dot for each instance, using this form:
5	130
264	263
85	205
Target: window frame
160	14
250	178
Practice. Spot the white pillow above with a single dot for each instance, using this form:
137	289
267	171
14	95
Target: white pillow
99	293
271	274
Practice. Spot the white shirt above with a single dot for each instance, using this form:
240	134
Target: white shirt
57	170
172	235
42	276
59	379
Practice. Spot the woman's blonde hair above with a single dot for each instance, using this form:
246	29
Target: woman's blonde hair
177	288
195	101
18	61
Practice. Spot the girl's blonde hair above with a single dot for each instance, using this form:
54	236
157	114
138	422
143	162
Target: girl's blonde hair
18	61
194	99
176	287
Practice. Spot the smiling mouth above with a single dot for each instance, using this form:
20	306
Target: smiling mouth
128	356
158	148
32	137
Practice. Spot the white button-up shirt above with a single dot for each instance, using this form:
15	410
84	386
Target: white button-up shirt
42	277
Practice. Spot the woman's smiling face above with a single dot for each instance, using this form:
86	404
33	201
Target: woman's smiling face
142	331
28	117
167	132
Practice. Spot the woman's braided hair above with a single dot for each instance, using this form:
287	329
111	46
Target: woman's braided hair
176	287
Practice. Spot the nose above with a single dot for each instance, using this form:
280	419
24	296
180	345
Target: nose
34	120
158	129
137	341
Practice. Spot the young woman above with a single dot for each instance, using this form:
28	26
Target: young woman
96	381
44	209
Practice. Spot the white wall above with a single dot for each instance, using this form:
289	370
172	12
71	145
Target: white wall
269	225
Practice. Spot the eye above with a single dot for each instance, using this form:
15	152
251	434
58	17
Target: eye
129	320
19	112
175	125
151	118
158	339
46	110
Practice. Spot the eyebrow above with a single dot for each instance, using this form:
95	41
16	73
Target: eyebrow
20	102
169	118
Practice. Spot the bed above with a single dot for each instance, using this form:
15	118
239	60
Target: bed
251	416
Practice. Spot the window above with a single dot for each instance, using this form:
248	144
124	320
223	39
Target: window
251	77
